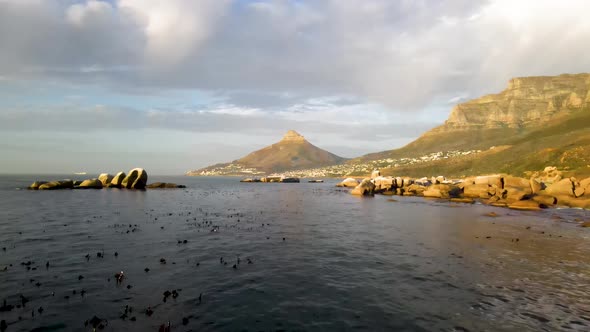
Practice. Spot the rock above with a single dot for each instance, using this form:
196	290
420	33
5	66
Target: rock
564	187
250	180
289	180
435	192
375	174
105	179
270	179
518	183
35	185
535	186
442	191
164	185
117	180
407	182
135	179
349	183
365	188
480	190
548	176
383	183
492	180
545	199
423	182
462	200
567	200
585	224
91	184
579	191
512	194
415	190
54	185
526	205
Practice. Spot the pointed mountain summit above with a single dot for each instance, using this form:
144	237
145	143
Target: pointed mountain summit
292	152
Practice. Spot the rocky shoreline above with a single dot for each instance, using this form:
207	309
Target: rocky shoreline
135	179
543	190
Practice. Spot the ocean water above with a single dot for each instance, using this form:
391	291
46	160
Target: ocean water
312	257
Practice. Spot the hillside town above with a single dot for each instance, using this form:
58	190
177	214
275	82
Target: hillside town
346	169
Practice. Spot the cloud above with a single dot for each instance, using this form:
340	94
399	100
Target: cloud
401	54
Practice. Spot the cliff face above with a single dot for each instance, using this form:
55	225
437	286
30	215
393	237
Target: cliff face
529	108
528	101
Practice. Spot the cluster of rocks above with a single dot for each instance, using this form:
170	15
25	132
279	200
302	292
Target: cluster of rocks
135	179
273	179
543	190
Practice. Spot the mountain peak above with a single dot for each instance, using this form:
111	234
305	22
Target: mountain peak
292	136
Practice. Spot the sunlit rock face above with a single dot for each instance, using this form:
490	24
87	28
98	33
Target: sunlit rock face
527	101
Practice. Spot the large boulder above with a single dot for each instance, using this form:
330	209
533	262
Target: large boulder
91	184
478	190
54	185
435	191
105	179
365	188
442	191
383	183
545	199
548	176
526	205
376	173
566	200
117	180
585	186
135	179
563	187
35	185
492	180
512	194
521	184
414	190
349	183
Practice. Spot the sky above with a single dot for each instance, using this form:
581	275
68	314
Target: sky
104	86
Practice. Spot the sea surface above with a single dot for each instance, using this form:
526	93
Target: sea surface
307	256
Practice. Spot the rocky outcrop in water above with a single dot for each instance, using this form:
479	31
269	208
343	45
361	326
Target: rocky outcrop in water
54	185
91	184
164	185
498	190
117	180
136	179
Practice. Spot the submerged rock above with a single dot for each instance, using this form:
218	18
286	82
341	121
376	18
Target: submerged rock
35	185
91	184
54	185
164	185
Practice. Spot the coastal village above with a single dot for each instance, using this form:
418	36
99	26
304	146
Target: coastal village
341	170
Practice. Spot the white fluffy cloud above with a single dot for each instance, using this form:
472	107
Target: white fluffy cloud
403	54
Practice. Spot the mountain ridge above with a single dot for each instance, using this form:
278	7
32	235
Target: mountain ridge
539	120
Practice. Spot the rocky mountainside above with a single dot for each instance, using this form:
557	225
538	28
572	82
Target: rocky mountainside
535	121
292	152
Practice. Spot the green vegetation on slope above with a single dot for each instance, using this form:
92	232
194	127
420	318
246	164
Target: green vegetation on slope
564	143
